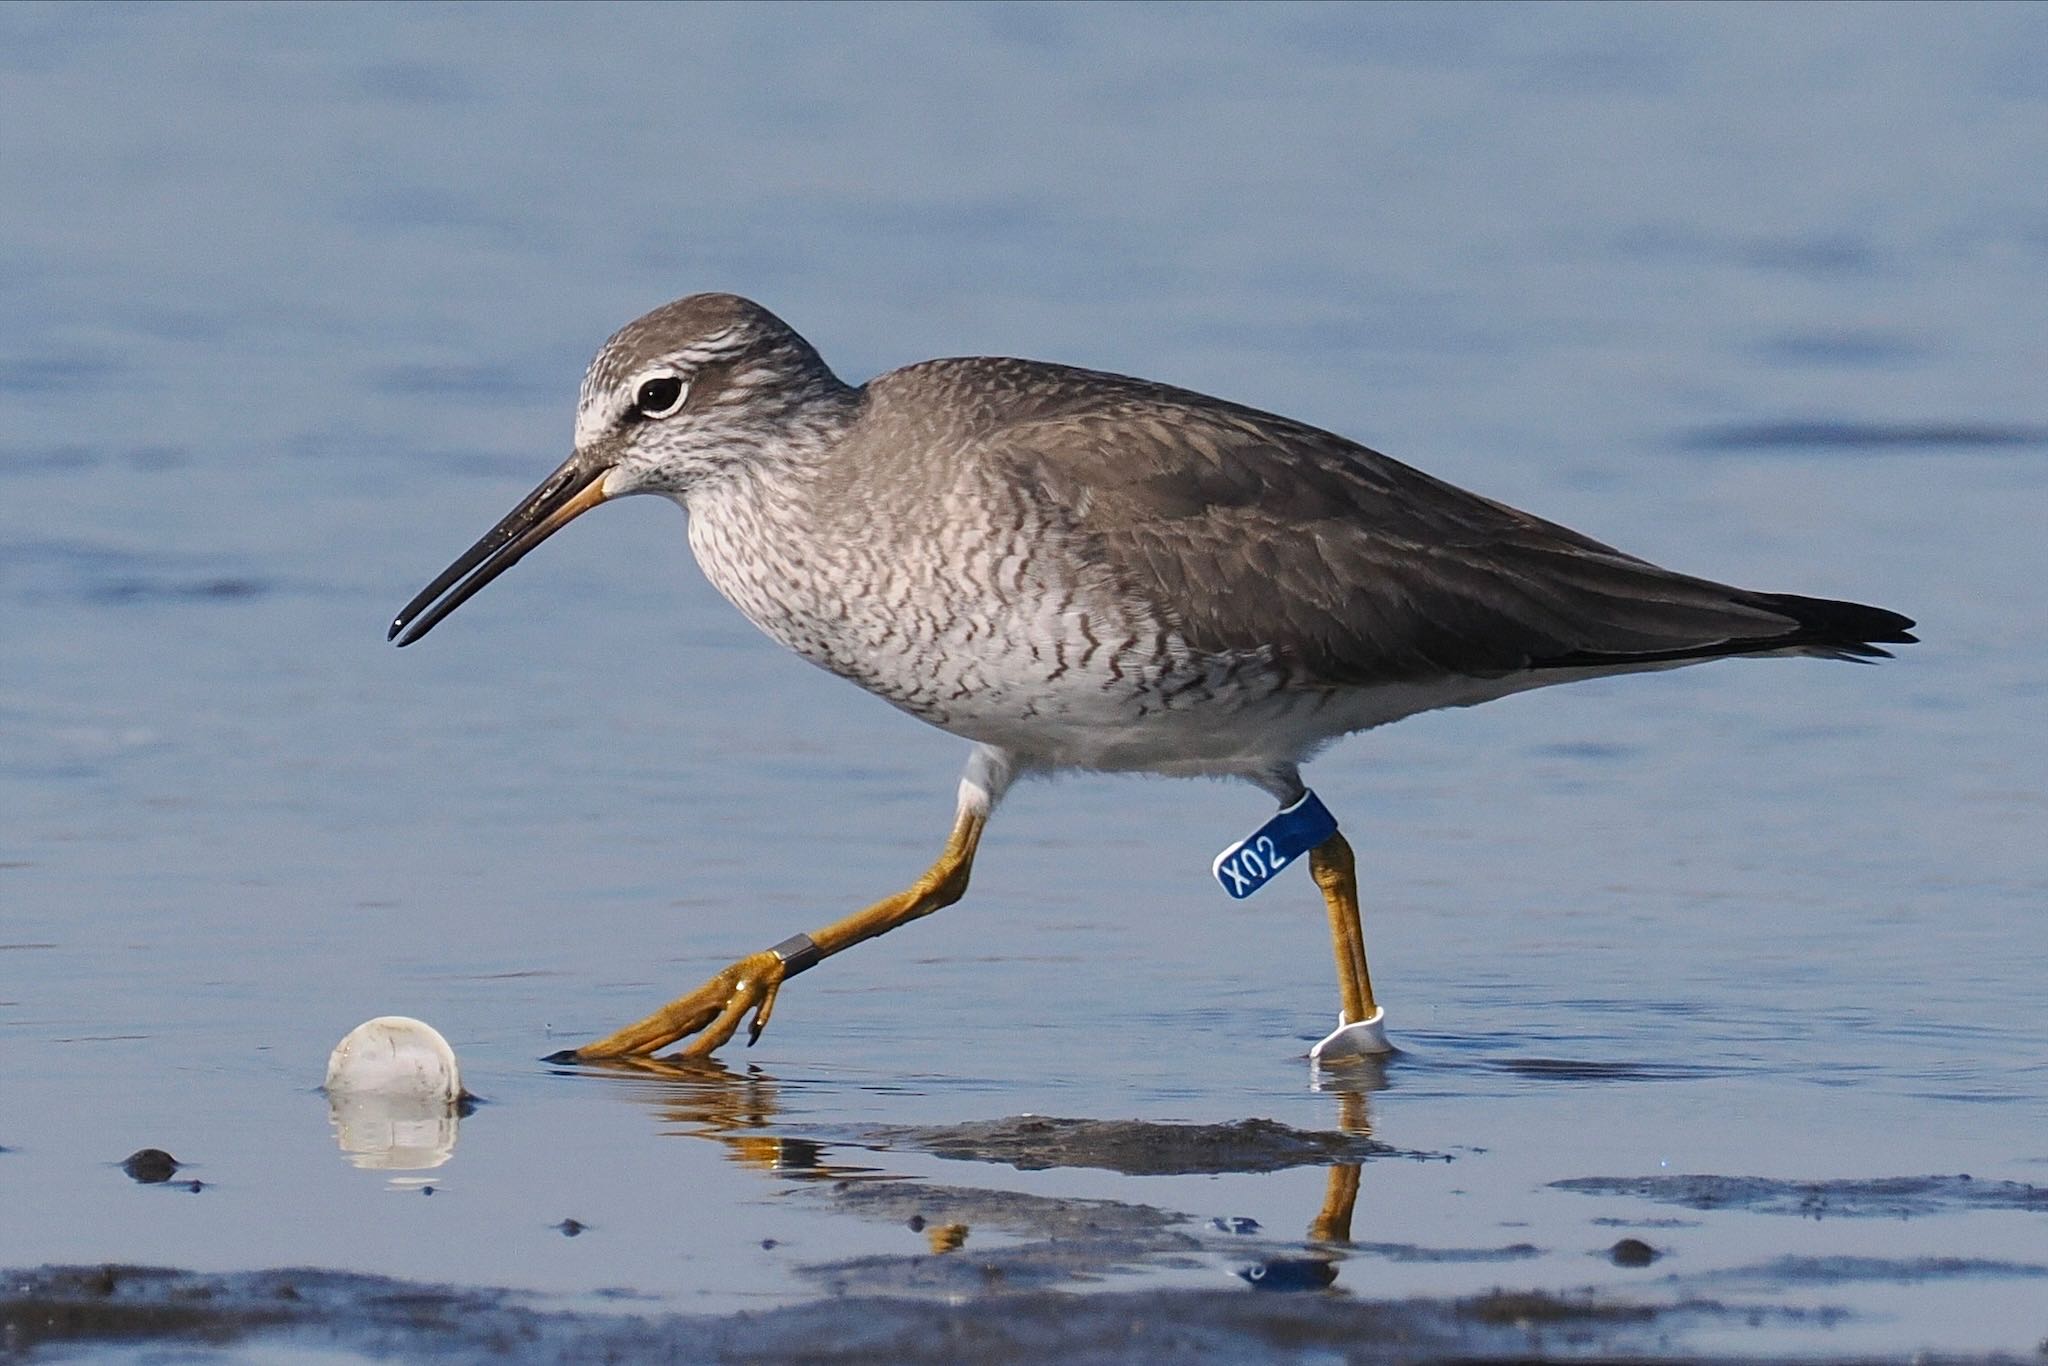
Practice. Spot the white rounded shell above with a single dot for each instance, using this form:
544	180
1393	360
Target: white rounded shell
395	1056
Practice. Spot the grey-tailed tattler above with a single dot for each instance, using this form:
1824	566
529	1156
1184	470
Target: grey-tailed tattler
1079	570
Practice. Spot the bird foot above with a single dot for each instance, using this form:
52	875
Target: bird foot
712	1013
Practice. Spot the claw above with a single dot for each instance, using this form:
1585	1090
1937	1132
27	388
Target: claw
762	1012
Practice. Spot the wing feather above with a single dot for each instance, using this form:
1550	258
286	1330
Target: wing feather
1252	532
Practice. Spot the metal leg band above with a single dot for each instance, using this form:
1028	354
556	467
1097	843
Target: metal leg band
798	954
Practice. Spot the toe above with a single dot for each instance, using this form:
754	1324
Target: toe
762	1012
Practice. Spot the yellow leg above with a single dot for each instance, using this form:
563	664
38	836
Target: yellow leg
1332	1223
946	1238
713	1011
1336	872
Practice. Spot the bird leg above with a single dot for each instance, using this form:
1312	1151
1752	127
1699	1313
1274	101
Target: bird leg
1332	1223
1336	872
713	1011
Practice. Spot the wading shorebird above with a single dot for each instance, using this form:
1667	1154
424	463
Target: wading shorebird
1078	570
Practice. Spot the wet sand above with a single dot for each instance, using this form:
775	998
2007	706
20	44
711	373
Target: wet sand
73	1307
1012	1275
53	1310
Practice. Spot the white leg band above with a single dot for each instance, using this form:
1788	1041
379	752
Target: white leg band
1365	1039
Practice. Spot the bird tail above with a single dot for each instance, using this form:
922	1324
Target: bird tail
1832	629
1822	628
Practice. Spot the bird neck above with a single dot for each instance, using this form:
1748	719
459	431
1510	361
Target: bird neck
788	435
753	532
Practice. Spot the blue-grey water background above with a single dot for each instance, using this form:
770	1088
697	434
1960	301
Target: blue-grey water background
293	304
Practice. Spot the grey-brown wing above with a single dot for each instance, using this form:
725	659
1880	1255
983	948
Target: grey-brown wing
1253	532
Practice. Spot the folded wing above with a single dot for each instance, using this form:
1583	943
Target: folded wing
1258	533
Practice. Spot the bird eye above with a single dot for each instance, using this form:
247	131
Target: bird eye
660	396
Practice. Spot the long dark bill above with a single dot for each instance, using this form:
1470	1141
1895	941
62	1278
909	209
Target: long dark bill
563	496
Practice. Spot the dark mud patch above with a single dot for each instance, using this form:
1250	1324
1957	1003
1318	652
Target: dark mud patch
1135	1147
76	1307
73	1309
1806	1271
1042	1241
1897	1197
956	1267
1521	1307
1014	1212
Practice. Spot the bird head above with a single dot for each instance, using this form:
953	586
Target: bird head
694	392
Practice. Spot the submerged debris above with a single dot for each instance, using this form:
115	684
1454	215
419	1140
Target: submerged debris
1632	1252
150	1166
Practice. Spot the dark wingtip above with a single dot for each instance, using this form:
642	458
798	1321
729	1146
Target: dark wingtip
567	1055
1826	621
1822	626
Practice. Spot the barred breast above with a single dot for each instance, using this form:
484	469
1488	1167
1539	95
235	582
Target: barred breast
965	602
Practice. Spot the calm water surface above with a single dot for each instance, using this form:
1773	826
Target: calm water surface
293	303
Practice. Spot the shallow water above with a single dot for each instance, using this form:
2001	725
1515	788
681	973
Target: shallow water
293	304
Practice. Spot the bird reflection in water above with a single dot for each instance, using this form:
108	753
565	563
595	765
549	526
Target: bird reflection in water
703	1098
1361	1076
1330	1230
